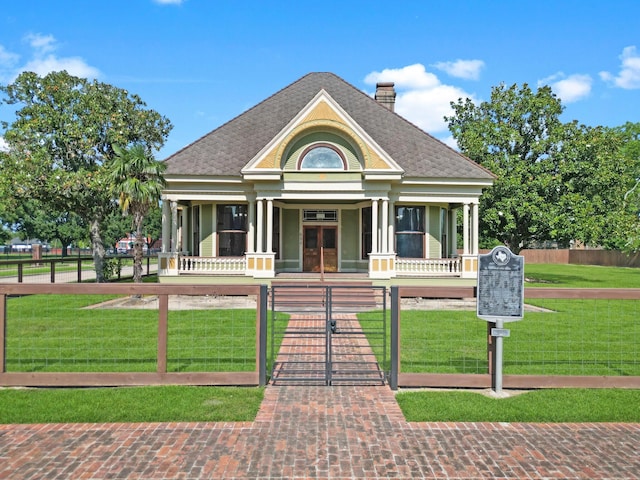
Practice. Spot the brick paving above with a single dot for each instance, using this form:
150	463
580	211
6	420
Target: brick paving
337	432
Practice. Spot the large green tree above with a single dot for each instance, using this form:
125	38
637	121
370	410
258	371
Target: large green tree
137	183
555	181
62	142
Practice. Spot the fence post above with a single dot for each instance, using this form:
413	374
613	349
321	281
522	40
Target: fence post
3	333
395	337
19	272
53	271
262	335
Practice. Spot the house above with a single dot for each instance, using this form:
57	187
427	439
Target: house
318	179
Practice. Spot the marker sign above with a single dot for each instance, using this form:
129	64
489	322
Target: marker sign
500	285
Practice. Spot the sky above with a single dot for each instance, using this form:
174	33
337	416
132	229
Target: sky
201	63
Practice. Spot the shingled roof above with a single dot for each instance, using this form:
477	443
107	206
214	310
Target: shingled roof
227	149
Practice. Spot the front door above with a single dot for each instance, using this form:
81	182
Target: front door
320	249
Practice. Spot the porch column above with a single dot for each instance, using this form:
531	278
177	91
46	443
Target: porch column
374	226
174	225
269	225
476	229
391	228
166	226
385	226
465	229
260	221
251	227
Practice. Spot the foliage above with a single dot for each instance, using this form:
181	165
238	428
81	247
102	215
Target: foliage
62	142
629	231
137	182
32	218
555	181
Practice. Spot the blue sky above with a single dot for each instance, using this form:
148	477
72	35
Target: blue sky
203	62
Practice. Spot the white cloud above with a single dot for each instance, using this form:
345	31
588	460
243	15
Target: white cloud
42	60
73	65
629	76
569	88
467	69
41	43
4	146
421	98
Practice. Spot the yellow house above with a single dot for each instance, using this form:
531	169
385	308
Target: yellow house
320	180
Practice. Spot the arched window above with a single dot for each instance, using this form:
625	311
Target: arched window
322	157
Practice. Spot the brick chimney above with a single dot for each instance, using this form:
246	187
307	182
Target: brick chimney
386	94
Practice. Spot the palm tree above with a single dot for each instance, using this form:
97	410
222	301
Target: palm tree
137	181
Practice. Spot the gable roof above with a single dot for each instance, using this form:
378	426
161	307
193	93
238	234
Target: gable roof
227	149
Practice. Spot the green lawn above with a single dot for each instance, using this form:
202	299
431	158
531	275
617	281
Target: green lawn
580	276
121	340
126	404
547	406
57	333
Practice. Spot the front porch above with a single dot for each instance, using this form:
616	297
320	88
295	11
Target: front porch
383	269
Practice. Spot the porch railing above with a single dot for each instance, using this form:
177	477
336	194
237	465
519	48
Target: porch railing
221	265
429	266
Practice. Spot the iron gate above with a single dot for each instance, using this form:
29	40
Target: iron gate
328	335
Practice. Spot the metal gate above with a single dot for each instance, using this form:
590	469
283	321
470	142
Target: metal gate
328	335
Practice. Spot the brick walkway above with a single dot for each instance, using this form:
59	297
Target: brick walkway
321	432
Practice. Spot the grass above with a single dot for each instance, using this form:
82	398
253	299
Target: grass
580	276
126	404
180	403
548	406
41	337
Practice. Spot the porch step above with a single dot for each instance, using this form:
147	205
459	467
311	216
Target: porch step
296	297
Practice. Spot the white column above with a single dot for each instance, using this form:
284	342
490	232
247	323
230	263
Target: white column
465	229
384	227
174	225
476	228
391	228
260	221
374	226
251	227
269	226
166	226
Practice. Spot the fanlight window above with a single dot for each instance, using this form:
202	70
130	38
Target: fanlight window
322	157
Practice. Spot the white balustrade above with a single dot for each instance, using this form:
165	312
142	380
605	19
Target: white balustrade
429	267
216	265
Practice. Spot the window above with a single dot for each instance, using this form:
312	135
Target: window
232	230
366	232
410	232
322	157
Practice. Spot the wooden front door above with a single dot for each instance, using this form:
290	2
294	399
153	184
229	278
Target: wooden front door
320	248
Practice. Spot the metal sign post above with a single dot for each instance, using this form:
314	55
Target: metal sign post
500	298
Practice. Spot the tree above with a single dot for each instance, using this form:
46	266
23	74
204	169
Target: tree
555	180
137	182
33	220
63	140
630	230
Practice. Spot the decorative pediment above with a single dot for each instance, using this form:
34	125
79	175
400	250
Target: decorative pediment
322	114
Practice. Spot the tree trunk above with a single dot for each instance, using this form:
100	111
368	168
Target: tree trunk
138	249
98	250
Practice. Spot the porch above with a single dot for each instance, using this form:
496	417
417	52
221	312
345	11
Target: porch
387	269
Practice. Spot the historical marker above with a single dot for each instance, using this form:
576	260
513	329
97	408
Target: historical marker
500	285
500	297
